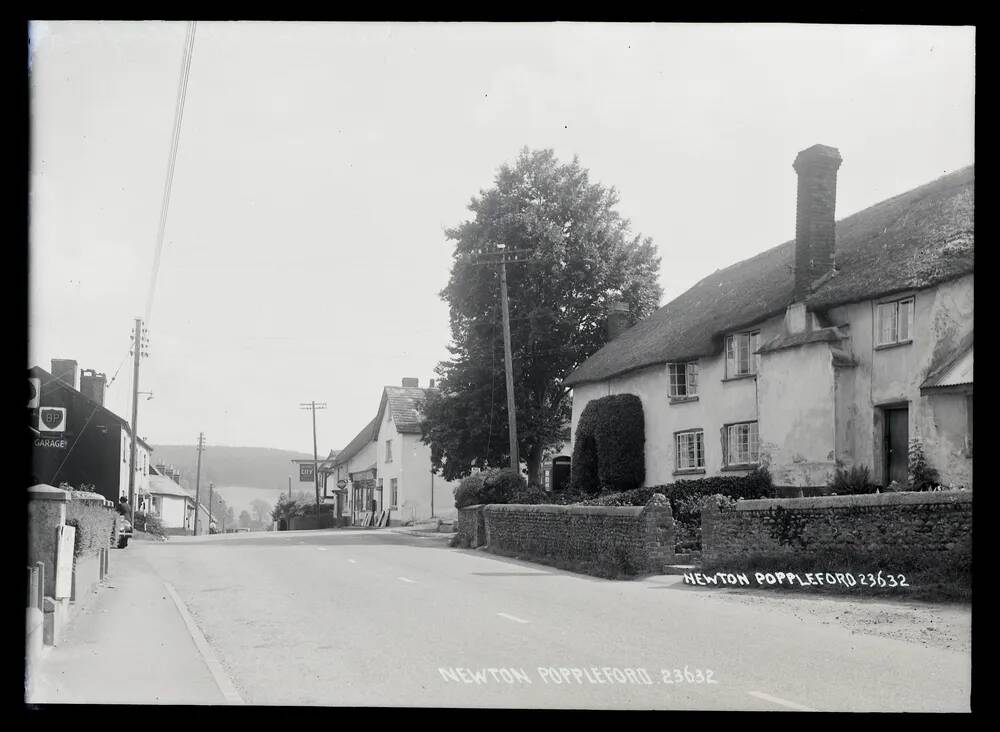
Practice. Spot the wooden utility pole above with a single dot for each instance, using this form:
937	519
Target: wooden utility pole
211	487
314	406
197	482
502	256
139	343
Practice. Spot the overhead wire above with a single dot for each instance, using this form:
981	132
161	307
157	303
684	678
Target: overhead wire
171	162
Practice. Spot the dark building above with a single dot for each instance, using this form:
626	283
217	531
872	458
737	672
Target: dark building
75	439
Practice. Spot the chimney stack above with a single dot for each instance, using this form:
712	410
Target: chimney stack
431	384
617	319
64	369
815	234
410	381
92	385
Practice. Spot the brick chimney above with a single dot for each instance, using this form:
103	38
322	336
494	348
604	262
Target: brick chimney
617	319
64	369
814	216
92	385
410	381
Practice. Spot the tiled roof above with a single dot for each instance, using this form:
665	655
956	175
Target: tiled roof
163	486
366	435
404	403
918	239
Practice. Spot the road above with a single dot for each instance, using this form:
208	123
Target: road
376	618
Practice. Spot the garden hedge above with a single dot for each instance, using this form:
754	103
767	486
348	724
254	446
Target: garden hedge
609	452
94	523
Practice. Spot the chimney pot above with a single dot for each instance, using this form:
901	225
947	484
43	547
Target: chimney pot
410	381
815	206
618	315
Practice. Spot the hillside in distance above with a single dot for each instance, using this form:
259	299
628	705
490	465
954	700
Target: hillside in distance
248	467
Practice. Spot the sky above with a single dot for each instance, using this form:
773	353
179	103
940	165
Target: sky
319	165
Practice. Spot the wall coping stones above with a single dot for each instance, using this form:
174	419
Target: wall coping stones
46	492
567	510
87	496
905	498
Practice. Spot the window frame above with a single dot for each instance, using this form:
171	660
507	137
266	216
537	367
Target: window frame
896	304
752	337
394	493
388	450
699	434
690	375
727	444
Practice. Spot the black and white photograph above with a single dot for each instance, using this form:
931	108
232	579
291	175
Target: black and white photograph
500	365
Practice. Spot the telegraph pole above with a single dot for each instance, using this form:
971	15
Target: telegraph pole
211	486
502	256
139	345
314	406
197	482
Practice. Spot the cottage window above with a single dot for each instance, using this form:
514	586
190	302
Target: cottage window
690	450
393	493
388	451
741	446
893	322
683	380
741	359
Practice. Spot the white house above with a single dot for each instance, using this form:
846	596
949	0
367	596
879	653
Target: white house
833	350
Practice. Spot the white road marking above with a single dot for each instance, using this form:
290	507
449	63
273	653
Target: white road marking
403	579
208	656
782	702
321	548
352	561
512	617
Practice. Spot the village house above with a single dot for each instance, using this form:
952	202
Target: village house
356	464
406	485
172	502
832	350
75	439
388	467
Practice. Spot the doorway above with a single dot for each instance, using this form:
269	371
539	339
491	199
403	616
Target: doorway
896	442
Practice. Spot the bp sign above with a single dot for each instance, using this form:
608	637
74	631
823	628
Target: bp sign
306	472
52	419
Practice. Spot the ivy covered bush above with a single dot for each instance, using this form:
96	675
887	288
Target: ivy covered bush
609	453
94	524
922	477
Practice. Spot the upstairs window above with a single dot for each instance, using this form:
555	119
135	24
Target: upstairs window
741	446
388	451
741	359
893	321
690	450
683	380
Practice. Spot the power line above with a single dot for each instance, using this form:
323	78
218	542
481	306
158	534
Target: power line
171	161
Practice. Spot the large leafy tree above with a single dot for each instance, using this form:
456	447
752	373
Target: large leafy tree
581	257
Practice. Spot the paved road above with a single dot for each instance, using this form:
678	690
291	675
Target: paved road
376	618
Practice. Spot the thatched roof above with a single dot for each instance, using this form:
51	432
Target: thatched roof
918	239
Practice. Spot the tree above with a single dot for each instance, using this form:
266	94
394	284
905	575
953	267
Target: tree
261	510
245	519
582	257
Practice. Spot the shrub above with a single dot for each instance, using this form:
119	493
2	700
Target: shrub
583	468
496	485
93	522
150	524
855	481
609	454
467	492
922	476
